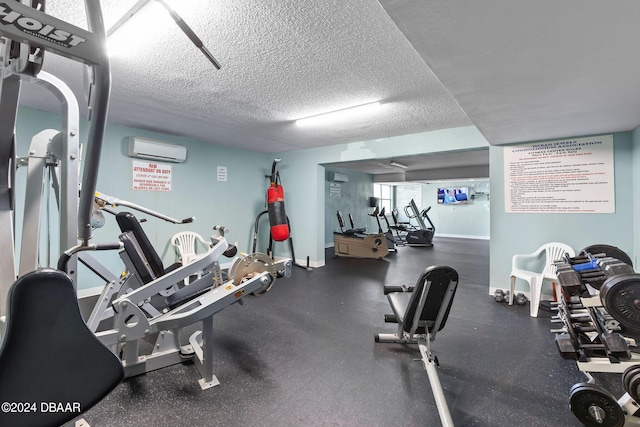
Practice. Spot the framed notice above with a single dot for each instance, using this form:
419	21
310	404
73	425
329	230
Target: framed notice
567	176
334	189
151	176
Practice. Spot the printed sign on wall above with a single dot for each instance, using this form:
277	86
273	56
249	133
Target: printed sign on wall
567	176
151	176
334	189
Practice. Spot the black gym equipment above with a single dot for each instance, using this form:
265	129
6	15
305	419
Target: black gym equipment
388	235
595	406
600	296
419	235
503	296
421	311
49	356
397	239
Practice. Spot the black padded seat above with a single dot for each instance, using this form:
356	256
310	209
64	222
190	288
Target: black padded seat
128	222
149	265
439	280
48	355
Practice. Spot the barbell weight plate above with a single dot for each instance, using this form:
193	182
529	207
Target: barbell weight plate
634	385
627	375
594	406
250	265
620	296
608	250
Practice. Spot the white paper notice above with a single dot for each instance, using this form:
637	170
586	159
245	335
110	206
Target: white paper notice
151	176
568	176
221	172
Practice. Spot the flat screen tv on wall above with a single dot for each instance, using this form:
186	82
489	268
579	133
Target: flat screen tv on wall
453	195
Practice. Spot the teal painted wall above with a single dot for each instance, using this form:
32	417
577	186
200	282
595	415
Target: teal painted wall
195	190
517	233
304	177
354	199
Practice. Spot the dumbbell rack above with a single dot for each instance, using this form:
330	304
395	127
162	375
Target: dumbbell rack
592	337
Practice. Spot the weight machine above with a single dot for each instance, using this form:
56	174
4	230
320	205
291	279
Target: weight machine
44	338
160	302
599	312
41	305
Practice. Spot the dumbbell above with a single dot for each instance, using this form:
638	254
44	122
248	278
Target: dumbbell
501	296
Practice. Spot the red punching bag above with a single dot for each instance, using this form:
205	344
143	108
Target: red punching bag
277	214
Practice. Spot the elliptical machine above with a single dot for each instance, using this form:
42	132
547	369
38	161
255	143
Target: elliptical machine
421	235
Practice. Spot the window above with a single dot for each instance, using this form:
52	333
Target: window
384	193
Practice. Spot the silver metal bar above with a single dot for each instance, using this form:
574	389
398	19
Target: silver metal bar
9	95
114	201
29	248
436	387
127	15
99	107
69	154
189	33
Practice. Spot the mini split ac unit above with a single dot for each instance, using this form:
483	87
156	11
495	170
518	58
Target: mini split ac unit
155	150
338	177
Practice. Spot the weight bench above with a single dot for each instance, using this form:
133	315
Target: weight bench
420	312
52	368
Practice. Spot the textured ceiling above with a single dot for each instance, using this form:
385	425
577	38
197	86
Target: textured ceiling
518	71
281	60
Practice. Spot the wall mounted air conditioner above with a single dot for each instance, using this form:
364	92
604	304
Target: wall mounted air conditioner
338	177
155	150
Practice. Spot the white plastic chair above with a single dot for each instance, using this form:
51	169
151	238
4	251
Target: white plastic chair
186	242
553	252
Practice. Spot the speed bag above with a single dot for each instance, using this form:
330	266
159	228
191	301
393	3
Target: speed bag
277	215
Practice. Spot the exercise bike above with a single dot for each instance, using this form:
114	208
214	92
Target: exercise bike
354	243
388	235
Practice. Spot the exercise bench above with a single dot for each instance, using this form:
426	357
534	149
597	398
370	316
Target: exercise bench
420	312
52	368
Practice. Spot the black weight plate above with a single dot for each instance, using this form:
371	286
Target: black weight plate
585	397
634	385
608	250
627	375
620	296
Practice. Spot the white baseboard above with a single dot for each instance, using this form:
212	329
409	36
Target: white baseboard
463	236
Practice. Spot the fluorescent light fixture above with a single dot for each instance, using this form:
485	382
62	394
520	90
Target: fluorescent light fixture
398	165
346	113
